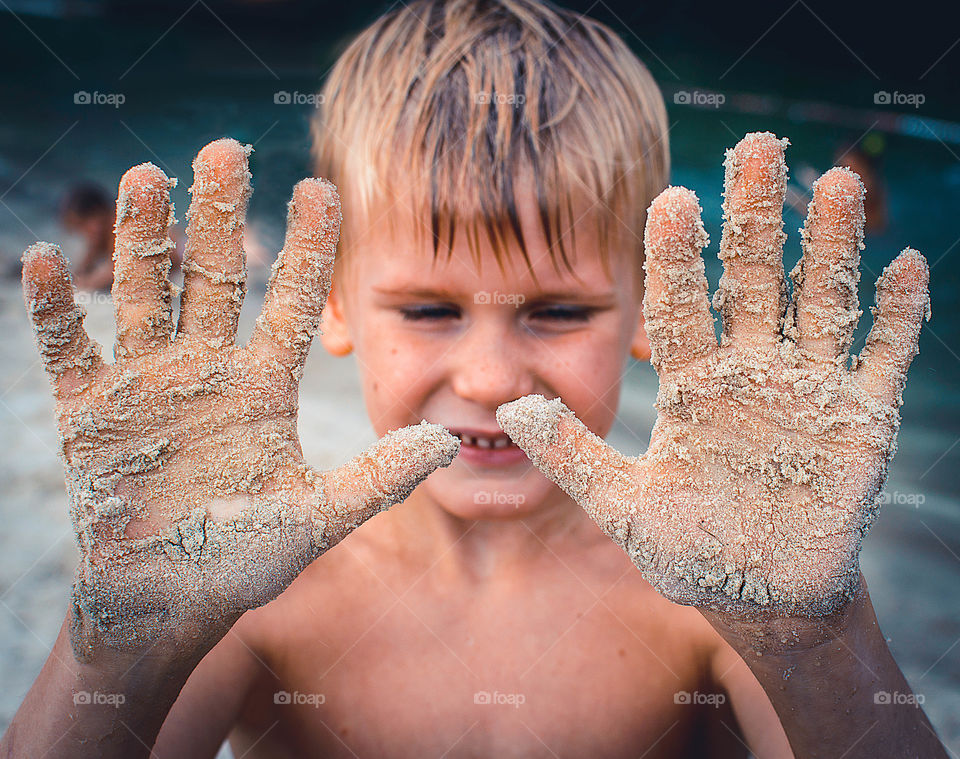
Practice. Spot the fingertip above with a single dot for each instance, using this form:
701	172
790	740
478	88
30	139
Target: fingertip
315	197
532	421
144	197
221	173
674	217
908	274
225	157
43	266
756	152
427	445
143	176
41	259
911	267
840	181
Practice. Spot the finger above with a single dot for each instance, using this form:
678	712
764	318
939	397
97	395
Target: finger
903	303
825	283
214	264
384	474
752	292
581	463
141	261
676	311
69	356
300	280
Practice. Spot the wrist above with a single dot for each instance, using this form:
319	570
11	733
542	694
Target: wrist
776	635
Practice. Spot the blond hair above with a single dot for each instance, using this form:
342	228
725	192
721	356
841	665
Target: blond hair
451	101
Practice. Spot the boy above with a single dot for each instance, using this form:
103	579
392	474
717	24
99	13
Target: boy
495	160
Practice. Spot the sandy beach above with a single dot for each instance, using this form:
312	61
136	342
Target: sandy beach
911	559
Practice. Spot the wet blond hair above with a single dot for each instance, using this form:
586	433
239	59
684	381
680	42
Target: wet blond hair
453	101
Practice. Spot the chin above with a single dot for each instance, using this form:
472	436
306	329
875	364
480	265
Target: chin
474	498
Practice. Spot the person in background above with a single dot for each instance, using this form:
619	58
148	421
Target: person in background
89	211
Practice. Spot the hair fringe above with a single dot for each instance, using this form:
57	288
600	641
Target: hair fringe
456	101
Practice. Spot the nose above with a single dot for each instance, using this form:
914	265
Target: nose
488	365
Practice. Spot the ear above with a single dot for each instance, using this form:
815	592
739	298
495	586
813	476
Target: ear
334	333
640	345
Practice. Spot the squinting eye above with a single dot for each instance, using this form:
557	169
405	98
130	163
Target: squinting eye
563	313
431	313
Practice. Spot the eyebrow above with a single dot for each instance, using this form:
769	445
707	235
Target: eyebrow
442	293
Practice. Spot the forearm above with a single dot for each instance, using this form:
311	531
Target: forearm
834	684
113	707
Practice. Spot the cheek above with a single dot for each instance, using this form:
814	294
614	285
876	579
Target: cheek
586	373
396	375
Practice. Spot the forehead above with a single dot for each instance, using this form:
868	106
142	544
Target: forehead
395	245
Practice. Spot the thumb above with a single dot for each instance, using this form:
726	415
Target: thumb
384	474
582	464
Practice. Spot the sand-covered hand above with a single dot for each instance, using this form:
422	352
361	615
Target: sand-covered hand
190	498
766	463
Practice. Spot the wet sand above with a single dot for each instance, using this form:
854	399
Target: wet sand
911	557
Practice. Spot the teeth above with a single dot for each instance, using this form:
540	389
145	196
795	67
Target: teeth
486	443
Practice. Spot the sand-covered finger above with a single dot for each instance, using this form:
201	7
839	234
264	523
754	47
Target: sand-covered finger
825	280
69	356
676	310
580	462
384	474
301	276
214	265
902	305
752	294
141	288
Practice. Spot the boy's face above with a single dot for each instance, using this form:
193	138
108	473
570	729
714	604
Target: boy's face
441	341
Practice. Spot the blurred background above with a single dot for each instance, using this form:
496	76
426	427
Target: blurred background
93	87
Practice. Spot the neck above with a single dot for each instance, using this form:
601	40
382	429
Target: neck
484	549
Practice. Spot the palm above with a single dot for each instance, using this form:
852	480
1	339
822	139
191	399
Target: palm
189	494
768	453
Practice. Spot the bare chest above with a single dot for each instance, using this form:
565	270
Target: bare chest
573	679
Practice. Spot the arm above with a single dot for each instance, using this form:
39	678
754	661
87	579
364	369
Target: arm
182	705
189	494
751	706
59	716
770	450
834	683
212	700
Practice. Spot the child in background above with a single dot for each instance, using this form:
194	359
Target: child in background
88	210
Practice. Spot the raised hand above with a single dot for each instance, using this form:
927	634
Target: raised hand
770	450
189	495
